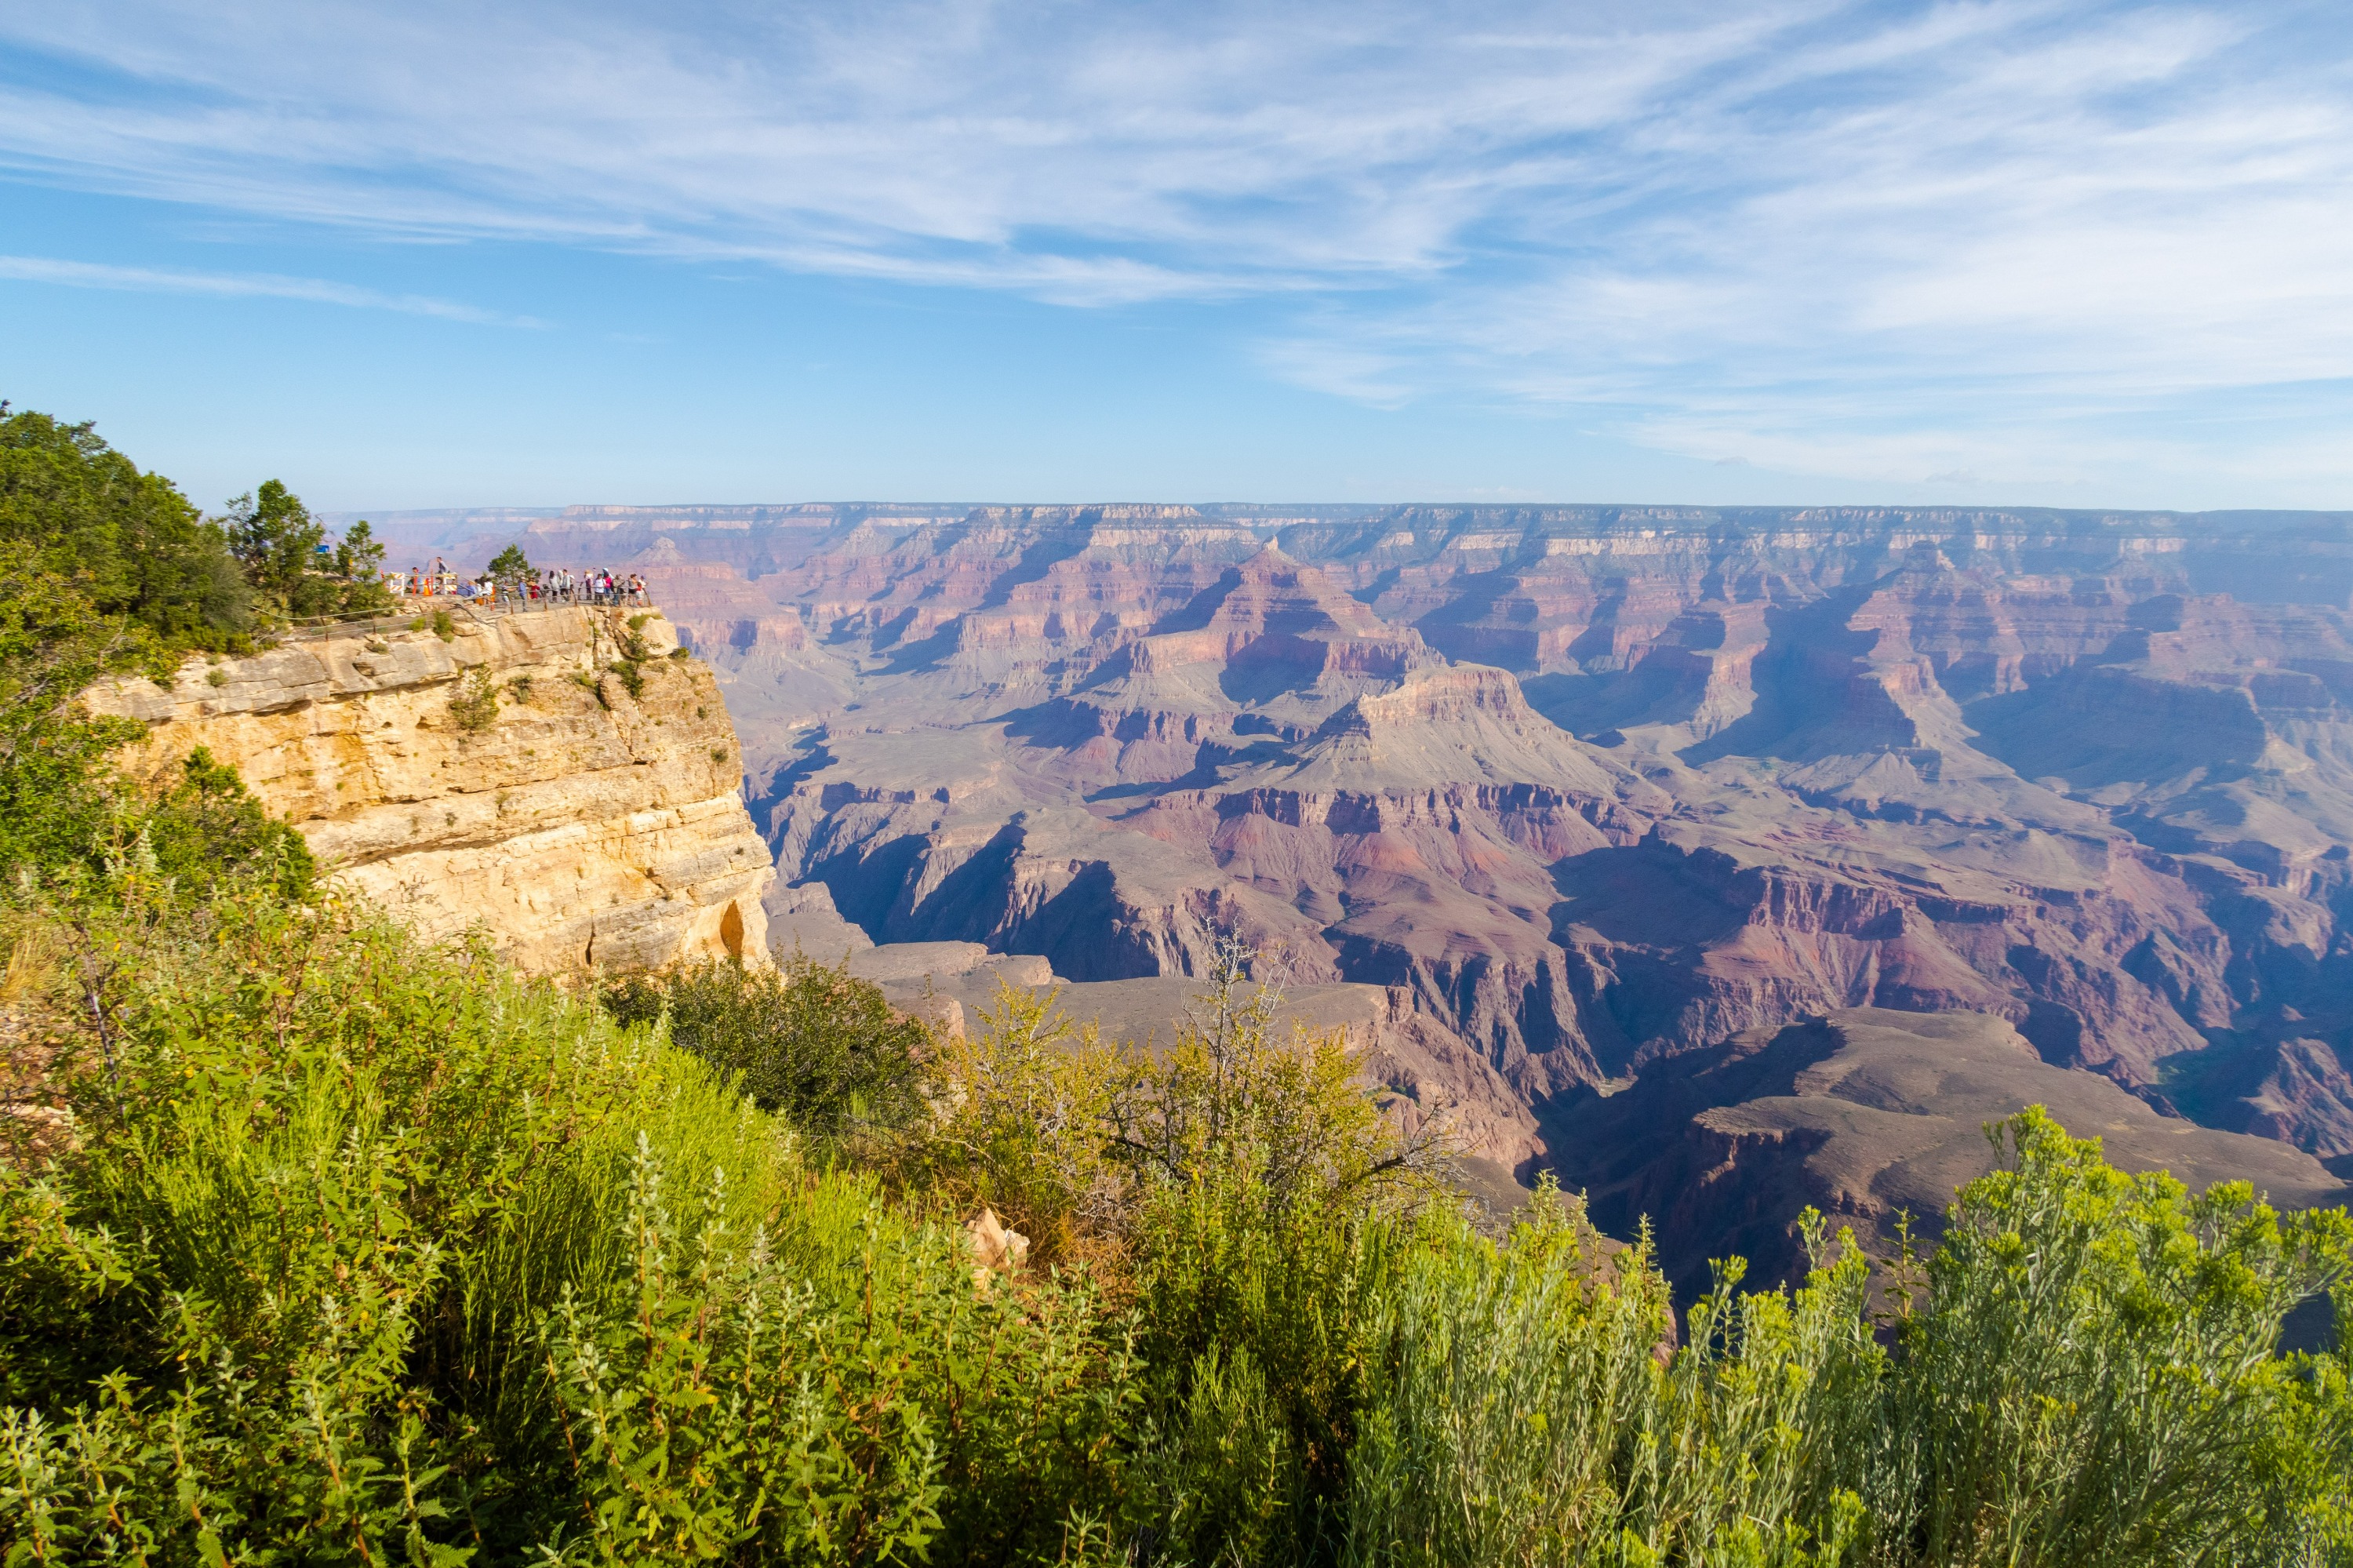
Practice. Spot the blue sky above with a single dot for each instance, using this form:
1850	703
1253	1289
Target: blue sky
434	254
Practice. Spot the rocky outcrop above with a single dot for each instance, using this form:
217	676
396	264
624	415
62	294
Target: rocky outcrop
1595	787
1865	1114
551	778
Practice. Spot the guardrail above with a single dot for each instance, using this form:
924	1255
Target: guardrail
313	627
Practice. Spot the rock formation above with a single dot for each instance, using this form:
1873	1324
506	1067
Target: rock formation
1582	792
1866	1114
551	778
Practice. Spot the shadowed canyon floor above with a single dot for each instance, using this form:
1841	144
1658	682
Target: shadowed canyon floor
1580	798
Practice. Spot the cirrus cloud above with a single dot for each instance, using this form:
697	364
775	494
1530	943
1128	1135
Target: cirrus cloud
1993	238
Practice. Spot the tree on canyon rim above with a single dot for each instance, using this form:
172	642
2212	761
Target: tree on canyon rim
286	556
129	544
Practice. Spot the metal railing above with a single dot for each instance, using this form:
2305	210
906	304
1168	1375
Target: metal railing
482	611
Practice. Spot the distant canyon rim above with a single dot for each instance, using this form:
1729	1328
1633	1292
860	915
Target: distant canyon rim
1584	798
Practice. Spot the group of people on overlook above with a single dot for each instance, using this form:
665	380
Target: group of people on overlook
524	590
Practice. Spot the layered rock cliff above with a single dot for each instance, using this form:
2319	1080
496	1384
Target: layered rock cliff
1589	790
554	778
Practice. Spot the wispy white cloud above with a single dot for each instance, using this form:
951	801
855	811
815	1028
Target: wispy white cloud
243	285
1983	236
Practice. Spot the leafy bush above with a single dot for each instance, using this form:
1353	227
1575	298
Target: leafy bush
809	1042
474	706
838	1389
2090	1376
207	829
59	797
1288	1118
61	801
1025	1105
369	1248
1526	1406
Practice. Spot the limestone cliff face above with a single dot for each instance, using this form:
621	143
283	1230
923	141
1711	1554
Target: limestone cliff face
574	822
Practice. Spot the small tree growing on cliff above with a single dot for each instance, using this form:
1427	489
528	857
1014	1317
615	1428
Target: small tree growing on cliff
359	562
512	565
474	707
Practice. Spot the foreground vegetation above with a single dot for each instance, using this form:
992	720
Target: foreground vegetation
318	1245
356	1251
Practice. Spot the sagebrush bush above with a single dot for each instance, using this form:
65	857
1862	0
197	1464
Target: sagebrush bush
359	1250
2091	1375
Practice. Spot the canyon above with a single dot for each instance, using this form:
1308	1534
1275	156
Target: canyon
1565	800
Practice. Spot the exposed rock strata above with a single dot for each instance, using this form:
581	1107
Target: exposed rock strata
1597	787
583	824
1865	1115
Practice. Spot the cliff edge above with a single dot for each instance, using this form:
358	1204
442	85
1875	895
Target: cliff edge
553	777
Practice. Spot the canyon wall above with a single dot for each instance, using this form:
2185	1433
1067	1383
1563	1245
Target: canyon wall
1584	792
501	774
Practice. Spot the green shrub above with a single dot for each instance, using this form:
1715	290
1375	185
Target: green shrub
1025	1100
207	829
2090	1376
373	1249
1524	1407
633	678
835	1389
59	799
809	1042
474	706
